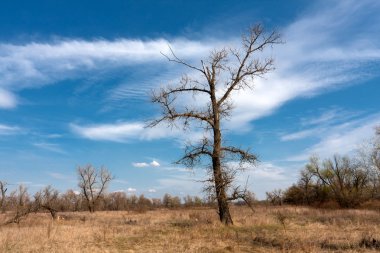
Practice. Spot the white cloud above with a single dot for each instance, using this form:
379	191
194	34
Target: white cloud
155	164
144	164
325	32
131	189
140	165
267	170
7	99
317	57
312	61
261	171
267	176
118	132
152	190
131	131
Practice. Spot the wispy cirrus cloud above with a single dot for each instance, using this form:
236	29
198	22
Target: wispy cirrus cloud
301	134
131	131
318	56
9	130
329	117
53	147
35	64
320	124
342	138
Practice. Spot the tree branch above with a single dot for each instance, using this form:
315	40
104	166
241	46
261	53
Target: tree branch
251	68
244	155
180	61
193	153
170	113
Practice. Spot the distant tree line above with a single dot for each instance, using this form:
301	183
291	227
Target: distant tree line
93	196
344	181
50	200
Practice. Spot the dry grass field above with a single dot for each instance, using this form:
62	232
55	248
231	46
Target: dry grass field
268	229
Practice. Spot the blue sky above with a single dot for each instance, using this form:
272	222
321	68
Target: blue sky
75	79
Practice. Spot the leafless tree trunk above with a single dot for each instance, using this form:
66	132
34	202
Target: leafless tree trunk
376	150
21	204
93	183
305	183
276	197
3	190
225	72
48	199
368	158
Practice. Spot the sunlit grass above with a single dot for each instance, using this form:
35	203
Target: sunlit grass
268	229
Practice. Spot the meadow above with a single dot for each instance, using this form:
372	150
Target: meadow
267	229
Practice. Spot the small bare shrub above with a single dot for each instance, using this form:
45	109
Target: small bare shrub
183	223
195	216
129	221
282	219
368	241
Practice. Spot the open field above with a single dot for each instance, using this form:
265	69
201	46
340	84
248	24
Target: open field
269	229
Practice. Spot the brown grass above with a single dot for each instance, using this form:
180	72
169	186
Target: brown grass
269	229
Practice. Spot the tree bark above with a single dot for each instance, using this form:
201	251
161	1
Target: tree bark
53	213
3	191
220	189
223	206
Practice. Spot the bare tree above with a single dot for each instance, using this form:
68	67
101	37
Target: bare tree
305	183
275	197
20	202
21	197
48	199
347	181
225	71
71	201
3	189
375	155
368	157
93	183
